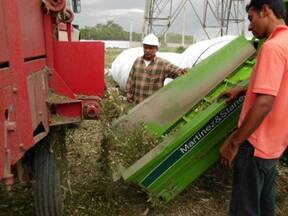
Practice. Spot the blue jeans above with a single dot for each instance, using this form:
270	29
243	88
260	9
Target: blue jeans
253	189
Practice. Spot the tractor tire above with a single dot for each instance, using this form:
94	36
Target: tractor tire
47	179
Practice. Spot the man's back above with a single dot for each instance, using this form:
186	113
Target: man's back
270	76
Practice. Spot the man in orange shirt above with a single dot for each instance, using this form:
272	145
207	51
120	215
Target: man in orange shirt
261	137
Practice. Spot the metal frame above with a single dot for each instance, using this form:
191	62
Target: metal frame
160	15
33	65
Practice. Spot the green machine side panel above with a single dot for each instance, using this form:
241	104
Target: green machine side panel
194	156
192	144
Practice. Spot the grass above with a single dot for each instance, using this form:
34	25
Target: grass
110	55
172	49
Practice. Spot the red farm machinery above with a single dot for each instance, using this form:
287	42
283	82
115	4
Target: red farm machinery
44	83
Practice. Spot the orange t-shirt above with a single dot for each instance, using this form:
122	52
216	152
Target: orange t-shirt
270	77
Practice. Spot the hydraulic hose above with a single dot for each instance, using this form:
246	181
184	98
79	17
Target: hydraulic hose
55	5
68	15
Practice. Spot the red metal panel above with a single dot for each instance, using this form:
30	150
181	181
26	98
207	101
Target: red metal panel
3	37
9	143
34	66
2	122
57	84
32	32
73	109
5	77
38	95
49	41
81	66
18	79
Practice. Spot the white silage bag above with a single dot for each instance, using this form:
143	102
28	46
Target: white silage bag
194	54
122	65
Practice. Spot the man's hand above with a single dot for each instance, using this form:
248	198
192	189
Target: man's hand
233	93
185	70
228	152
130	98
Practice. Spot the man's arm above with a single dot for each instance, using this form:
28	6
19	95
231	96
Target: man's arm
130	86
260	109
172	71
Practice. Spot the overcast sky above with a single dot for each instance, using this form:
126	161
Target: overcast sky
130	13
121	11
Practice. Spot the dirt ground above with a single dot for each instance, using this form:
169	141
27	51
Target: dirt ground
89	189
92	192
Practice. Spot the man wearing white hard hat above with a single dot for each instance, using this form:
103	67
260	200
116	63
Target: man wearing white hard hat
149	72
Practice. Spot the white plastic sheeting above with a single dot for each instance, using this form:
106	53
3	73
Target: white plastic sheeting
194	54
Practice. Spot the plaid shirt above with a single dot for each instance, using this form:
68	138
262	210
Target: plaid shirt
144	81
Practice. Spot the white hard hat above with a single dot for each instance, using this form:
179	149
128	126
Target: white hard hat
151	39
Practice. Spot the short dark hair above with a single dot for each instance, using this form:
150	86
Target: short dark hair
277	6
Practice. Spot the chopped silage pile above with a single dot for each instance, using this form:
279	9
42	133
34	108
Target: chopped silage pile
113	106
91	190
123	147
18	201
83	146
88	187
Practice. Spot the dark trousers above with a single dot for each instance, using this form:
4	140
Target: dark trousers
253	190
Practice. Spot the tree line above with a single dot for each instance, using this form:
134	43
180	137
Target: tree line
113	31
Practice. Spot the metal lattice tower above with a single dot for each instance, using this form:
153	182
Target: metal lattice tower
224	13
159	15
